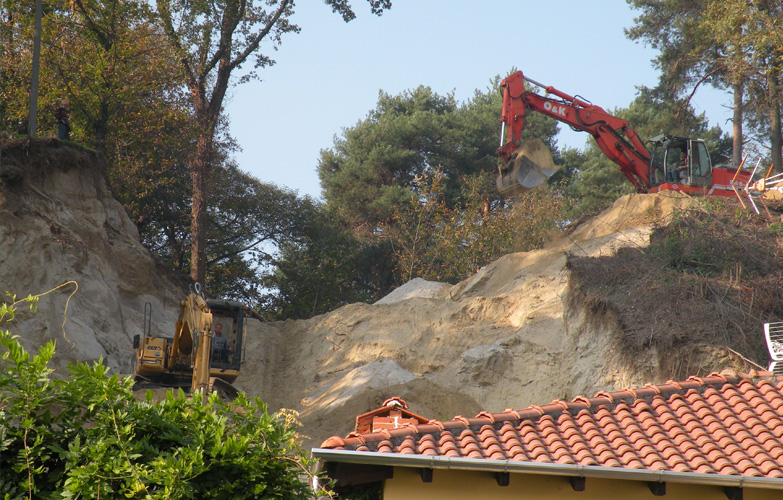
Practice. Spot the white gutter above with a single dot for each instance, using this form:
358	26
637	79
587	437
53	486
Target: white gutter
549	469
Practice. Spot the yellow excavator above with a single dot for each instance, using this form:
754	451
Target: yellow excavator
205	353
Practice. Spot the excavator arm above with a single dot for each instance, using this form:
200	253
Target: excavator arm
192	343
188	359
617	140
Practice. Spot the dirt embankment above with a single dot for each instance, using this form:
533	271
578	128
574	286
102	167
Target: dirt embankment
526	329
60	223
599	308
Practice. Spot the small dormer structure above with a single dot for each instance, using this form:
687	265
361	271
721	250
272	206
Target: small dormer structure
392	414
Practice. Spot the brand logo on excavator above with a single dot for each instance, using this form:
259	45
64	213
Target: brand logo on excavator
554	108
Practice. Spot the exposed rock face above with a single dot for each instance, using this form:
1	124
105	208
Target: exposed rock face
58	223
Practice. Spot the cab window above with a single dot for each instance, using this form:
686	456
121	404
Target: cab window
700	160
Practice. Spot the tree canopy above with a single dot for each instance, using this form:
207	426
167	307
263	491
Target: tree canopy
730	44
374	166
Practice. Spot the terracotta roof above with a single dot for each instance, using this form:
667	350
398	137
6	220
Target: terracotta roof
724	423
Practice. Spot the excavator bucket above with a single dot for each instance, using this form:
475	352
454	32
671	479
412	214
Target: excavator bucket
532	167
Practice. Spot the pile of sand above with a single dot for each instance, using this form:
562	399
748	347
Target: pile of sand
513	334
417	287
507	337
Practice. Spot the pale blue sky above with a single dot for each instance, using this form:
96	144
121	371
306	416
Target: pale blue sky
328	76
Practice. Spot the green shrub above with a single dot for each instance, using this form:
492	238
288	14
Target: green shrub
88	437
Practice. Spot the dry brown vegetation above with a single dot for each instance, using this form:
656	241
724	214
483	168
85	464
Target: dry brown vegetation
702	289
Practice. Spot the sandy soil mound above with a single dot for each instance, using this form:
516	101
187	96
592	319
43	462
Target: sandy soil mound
58	223
511	335
528	328
417	287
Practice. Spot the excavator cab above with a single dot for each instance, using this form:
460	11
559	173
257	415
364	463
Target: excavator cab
680	161
205	353
226	356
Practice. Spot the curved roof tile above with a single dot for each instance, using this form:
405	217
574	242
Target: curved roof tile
723	423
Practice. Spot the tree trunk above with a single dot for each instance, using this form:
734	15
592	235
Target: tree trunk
776	140
32	121
736	150
198	213
207	112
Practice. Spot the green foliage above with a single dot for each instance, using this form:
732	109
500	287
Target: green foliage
730	44
373	167
105	57
150	178
88	437
651	114
688	52
434	241
246	219
16	27
597	183
322	267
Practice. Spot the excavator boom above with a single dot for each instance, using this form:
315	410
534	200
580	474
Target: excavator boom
617	140
677	163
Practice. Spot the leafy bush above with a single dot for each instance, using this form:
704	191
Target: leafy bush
435	241
89	437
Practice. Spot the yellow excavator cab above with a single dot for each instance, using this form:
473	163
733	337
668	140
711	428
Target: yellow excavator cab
201	356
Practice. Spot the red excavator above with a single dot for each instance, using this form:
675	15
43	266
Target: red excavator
676	163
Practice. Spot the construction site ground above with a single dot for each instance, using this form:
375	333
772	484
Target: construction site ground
657	287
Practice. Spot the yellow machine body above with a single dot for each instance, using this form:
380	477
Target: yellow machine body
151	357
187	359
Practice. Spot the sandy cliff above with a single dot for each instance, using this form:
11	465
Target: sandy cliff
518	332
58	223
523	330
